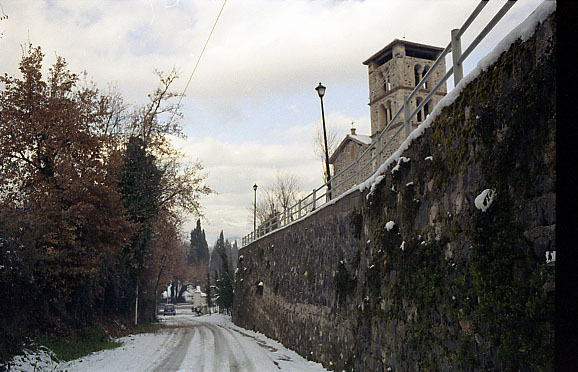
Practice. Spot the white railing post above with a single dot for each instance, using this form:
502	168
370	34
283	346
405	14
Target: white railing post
277	220
299	214
314	199
456	55
407	119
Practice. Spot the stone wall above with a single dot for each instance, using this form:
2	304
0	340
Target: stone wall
412	276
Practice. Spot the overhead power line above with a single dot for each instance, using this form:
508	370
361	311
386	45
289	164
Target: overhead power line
200	56
4	15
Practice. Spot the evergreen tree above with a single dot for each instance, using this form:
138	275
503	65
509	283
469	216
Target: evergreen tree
235	255
224	288
215	262
209	292
199	252
139	183
139	187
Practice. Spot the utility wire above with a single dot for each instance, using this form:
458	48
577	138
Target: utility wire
200	56
4	15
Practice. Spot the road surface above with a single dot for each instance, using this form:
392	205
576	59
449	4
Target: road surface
194	344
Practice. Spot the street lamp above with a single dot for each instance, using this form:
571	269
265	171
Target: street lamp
255	210
321	92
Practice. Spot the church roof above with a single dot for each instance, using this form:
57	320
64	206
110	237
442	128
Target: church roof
360	139
431	51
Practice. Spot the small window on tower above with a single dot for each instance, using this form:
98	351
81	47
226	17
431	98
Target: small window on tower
417	103
417	74
387	112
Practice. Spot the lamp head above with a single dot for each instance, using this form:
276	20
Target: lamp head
320	90
255	187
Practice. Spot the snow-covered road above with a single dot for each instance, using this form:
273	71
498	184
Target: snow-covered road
192	344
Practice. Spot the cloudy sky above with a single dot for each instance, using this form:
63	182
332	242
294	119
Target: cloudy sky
251	109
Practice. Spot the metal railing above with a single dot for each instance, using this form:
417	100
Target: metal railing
369	160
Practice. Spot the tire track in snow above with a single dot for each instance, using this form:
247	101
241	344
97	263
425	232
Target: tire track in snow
200	361
167	343
262	344
250	367
222	352
172	362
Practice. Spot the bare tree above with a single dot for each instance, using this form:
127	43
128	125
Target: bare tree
277	197
319	146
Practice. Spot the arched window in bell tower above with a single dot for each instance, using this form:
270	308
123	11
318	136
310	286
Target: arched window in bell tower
417	103
426	84
417	74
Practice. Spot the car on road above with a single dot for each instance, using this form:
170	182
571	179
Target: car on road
170	310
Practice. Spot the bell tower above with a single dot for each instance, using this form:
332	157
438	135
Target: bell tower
394	72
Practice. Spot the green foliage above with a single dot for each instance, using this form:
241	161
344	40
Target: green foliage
139	185
509	283
82	342
224	288
209	297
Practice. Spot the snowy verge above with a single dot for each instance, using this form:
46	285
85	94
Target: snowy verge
188	344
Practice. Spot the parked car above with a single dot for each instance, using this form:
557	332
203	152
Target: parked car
170	309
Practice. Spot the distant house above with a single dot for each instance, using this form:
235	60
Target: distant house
196	297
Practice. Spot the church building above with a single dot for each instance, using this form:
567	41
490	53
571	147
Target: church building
394	72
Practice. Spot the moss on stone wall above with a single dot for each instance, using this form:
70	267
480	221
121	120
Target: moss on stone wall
449	287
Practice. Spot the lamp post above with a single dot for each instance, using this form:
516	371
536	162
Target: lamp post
255	211
321	92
